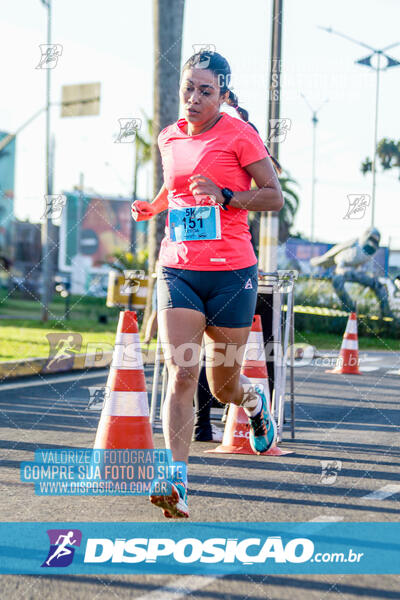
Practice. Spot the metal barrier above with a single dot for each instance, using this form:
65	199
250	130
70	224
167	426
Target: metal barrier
282	284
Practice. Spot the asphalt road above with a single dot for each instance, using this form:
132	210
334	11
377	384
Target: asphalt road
352	421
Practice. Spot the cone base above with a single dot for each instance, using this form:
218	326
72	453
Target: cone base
245	450
343	372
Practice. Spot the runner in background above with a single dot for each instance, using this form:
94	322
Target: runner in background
204	430
207	275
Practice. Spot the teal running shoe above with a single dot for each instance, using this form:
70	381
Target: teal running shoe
171	497
263	431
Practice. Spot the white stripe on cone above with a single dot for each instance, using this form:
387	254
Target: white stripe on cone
349	344
127	404
127	356
351	326
256	337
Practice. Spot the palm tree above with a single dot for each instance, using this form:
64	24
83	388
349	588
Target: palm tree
388	152
289	209
168	28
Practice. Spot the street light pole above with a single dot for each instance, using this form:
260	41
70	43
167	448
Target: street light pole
133	248
378	70
366	61
314	121
47	224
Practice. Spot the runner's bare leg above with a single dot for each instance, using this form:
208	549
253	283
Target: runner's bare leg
179	326
224	380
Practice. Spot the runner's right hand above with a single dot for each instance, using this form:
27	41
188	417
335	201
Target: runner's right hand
142	210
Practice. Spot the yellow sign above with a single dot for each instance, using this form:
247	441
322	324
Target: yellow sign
119	290
80	100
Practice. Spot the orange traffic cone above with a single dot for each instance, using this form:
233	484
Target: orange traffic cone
237	428
124	421
347	361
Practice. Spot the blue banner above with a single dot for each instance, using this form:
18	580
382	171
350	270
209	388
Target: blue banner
200	548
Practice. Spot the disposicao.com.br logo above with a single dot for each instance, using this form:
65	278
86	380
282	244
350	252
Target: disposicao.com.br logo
247	551
61	551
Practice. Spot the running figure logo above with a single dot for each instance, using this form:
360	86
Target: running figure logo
330	470
61	551
50	54
278	129
358	204
127	130
54	205
62	346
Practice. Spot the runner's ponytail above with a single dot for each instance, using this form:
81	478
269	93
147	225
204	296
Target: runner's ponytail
244	115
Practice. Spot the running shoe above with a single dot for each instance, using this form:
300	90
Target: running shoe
172	500
262	426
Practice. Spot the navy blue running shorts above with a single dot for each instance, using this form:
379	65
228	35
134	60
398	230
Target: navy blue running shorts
226	298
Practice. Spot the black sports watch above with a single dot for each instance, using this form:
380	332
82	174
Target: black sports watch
228	195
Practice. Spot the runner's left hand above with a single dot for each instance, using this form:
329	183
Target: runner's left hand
200	185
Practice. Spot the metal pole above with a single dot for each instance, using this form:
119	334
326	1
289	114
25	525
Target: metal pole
378	69
315	121
164	383
46	264
156	375
133	222
292	415
79	213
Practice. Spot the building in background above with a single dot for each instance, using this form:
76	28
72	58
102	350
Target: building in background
93	229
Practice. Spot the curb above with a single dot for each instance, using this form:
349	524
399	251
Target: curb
26	367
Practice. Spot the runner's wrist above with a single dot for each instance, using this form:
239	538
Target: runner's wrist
159	205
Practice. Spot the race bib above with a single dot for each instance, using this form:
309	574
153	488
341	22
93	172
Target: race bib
194	223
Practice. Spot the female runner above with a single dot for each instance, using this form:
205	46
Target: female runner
207	274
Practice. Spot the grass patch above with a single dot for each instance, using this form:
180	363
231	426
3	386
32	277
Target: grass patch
81	307
331	341
27	339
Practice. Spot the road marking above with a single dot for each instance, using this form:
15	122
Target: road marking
326	519
188	584
383	492
394	372
60	379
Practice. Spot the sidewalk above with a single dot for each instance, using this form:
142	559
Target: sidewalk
78	362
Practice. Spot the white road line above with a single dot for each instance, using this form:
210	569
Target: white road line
326	519
60	379
394	372
187	585
383	492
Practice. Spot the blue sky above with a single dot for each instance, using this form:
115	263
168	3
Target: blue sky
112	42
